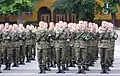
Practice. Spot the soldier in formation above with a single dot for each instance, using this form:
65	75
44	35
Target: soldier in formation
61	44
74	44
13	41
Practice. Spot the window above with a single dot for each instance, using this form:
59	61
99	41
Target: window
28	11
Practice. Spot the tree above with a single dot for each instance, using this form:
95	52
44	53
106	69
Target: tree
4	8
84	9
16	7
111	7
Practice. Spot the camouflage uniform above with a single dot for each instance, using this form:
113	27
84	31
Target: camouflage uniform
60	50
33	45
16	50
7	50
42	48
28	50
52	48
1	48
104	47
72	50
22	47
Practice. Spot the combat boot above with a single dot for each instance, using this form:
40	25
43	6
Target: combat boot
63	67
40	69
72	64
6	66
86	67
67	67
104	70
43	69
53	64
9	64
15	65
59	69
22	62
81	70
47	67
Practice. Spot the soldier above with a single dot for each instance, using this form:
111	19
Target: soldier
60	39
16	45
7	53
52	50
114	37
104	46
22	39
1	40
28	50
33	42
72	41
42	46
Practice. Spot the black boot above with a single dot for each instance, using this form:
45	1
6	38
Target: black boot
48	67
6	66
15	64
108	69
104	69
22	62
28	61
67	67
71	64
43	69
80	70
59	69
63	67
86	67
9	65
40	69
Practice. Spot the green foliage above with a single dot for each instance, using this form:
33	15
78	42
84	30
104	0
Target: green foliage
84	9
15	6
112	5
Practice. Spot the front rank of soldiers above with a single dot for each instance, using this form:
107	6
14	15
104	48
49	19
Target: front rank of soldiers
70	44
58	44
13	47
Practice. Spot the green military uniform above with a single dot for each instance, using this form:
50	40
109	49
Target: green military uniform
33	45
1	48
60	47
28	50
104	46
52	48
22	39
113	37
7	50
16	46
42	48
72	50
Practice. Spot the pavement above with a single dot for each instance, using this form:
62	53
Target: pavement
31	69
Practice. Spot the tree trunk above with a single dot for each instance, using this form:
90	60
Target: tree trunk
6	18
113	16
19	19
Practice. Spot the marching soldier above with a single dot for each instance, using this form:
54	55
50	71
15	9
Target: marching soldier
16	45
104	46
28	44
1	47
52	43
72	49
42	46
60	39
33	42
22	38
7	50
